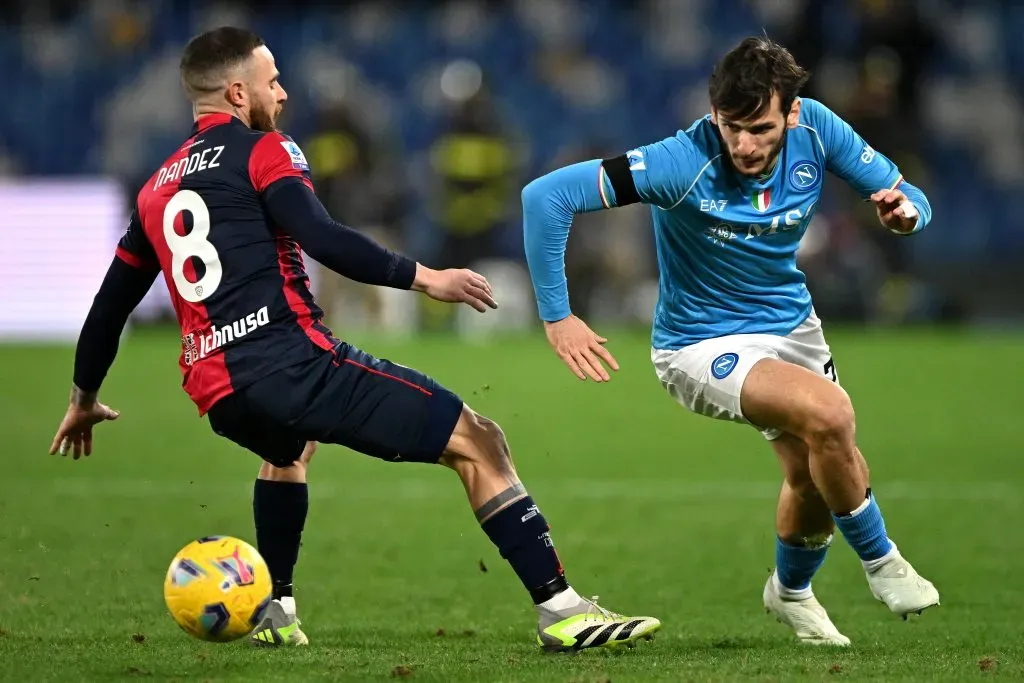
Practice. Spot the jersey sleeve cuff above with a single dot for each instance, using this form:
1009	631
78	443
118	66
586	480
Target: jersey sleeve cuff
404	272
553	311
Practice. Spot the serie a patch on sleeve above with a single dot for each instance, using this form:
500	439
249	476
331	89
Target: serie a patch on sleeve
298	159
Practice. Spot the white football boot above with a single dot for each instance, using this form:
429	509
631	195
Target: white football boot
896	583
806	617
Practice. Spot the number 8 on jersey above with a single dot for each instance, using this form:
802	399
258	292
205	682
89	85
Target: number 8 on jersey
193	245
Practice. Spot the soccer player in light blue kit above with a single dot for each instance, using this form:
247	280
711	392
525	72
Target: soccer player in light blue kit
735	334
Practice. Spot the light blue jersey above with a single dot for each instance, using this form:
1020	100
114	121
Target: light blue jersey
726	243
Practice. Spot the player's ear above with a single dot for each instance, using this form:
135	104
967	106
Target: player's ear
793	118
236	94
714	116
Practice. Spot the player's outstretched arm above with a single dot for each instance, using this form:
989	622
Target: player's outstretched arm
122	289
348	252
549	205
659	174
455	285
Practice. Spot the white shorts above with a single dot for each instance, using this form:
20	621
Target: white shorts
707	377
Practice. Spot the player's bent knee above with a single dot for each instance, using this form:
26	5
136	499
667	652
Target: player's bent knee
477	441
831	422
295	472
307	453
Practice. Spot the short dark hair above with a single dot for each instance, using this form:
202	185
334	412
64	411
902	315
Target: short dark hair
744	80
208	56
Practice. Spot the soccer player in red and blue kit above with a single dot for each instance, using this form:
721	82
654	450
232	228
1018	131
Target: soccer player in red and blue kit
223	219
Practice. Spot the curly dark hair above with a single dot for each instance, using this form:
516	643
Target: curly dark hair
744	80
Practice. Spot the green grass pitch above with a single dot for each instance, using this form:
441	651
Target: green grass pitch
655	510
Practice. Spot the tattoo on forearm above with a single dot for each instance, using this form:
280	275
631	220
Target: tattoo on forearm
500	501
82	398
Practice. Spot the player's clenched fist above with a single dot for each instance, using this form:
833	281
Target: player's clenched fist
580	348
895	211
455	285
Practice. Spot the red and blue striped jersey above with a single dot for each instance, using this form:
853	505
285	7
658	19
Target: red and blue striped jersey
237	281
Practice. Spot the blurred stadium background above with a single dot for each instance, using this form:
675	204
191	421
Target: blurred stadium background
424	120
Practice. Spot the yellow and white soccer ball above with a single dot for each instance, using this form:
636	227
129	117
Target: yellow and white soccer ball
217	588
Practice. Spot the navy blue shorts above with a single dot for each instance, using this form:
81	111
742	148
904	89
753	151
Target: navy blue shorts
352	399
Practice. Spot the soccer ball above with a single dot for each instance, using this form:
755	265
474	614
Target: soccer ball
217	588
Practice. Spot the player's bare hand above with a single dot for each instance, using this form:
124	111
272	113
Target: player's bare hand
895	211
455	285
75	431
580	348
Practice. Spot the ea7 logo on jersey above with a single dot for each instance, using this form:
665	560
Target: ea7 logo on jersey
868	155
636	160
296	155
707	205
